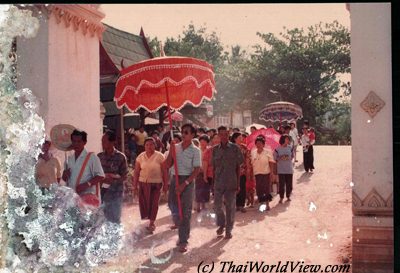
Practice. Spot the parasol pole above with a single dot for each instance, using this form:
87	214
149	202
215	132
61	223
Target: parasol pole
173	153
122	130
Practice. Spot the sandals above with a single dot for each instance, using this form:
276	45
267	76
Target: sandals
182	248
151	228
173	227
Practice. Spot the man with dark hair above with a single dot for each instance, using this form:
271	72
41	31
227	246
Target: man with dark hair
188	160
47	168
226	160
253	129
295	136
84	172
141	136
115	167
287	132
201	131
166	139
211	133
158	142
161	131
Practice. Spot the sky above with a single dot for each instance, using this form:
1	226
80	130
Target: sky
235	24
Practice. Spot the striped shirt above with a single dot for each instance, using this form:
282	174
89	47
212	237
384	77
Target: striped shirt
187	159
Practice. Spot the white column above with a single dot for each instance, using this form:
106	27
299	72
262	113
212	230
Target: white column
372	137
61	66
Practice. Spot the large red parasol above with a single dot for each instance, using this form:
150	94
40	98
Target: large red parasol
271	138
165	81
144	85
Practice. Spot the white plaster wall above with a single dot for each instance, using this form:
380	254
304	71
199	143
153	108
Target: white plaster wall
371	71
32	66
74	96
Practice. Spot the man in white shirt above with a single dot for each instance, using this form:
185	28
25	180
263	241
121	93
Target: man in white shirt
85	181
294	134
141	135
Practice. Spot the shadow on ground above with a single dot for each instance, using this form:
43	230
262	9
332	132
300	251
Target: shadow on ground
187	260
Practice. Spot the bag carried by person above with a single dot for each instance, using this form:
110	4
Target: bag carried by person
88	198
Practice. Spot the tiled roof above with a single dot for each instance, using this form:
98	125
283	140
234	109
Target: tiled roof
124	45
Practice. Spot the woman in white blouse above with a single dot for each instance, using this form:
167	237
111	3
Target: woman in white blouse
261	160
150	177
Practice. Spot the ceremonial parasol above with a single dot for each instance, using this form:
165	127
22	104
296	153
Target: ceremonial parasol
165	81
271	137
281	111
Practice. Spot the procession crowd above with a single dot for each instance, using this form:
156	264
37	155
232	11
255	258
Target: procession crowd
196	167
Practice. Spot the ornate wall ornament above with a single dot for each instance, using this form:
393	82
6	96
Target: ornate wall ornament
372	204
374	200
84	17
372	104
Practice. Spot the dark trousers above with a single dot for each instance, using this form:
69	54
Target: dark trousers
103	192
311	151
202	189
226	196
149	196
308	158
112	204
263	188
241	195
285	182
186	204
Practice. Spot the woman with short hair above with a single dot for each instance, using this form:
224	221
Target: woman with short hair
261	160
47	168
284	156
150	177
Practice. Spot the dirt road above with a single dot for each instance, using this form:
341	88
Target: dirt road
314	228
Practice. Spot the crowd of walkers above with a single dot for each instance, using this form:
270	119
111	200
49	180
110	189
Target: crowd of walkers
213	165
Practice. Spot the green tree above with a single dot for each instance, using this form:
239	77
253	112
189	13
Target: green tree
197	43
154	45
303	66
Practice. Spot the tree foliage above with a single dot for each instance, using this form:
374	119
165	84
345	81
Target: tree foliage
302	66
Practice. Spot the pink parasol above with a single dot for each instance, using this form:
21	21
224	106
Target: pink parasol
271	138
177	116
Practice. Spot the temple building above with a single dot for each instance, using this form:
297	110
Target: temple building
119	49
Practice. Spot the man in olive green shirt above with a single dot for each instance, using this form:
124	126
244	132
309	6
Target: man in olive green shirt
226	160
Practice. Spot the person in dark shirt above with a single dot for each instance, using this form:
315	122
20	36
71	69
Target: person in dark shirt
226	161
115	169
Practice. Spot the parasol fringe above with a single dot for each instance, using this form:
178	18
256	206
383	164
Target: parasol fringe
186	102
